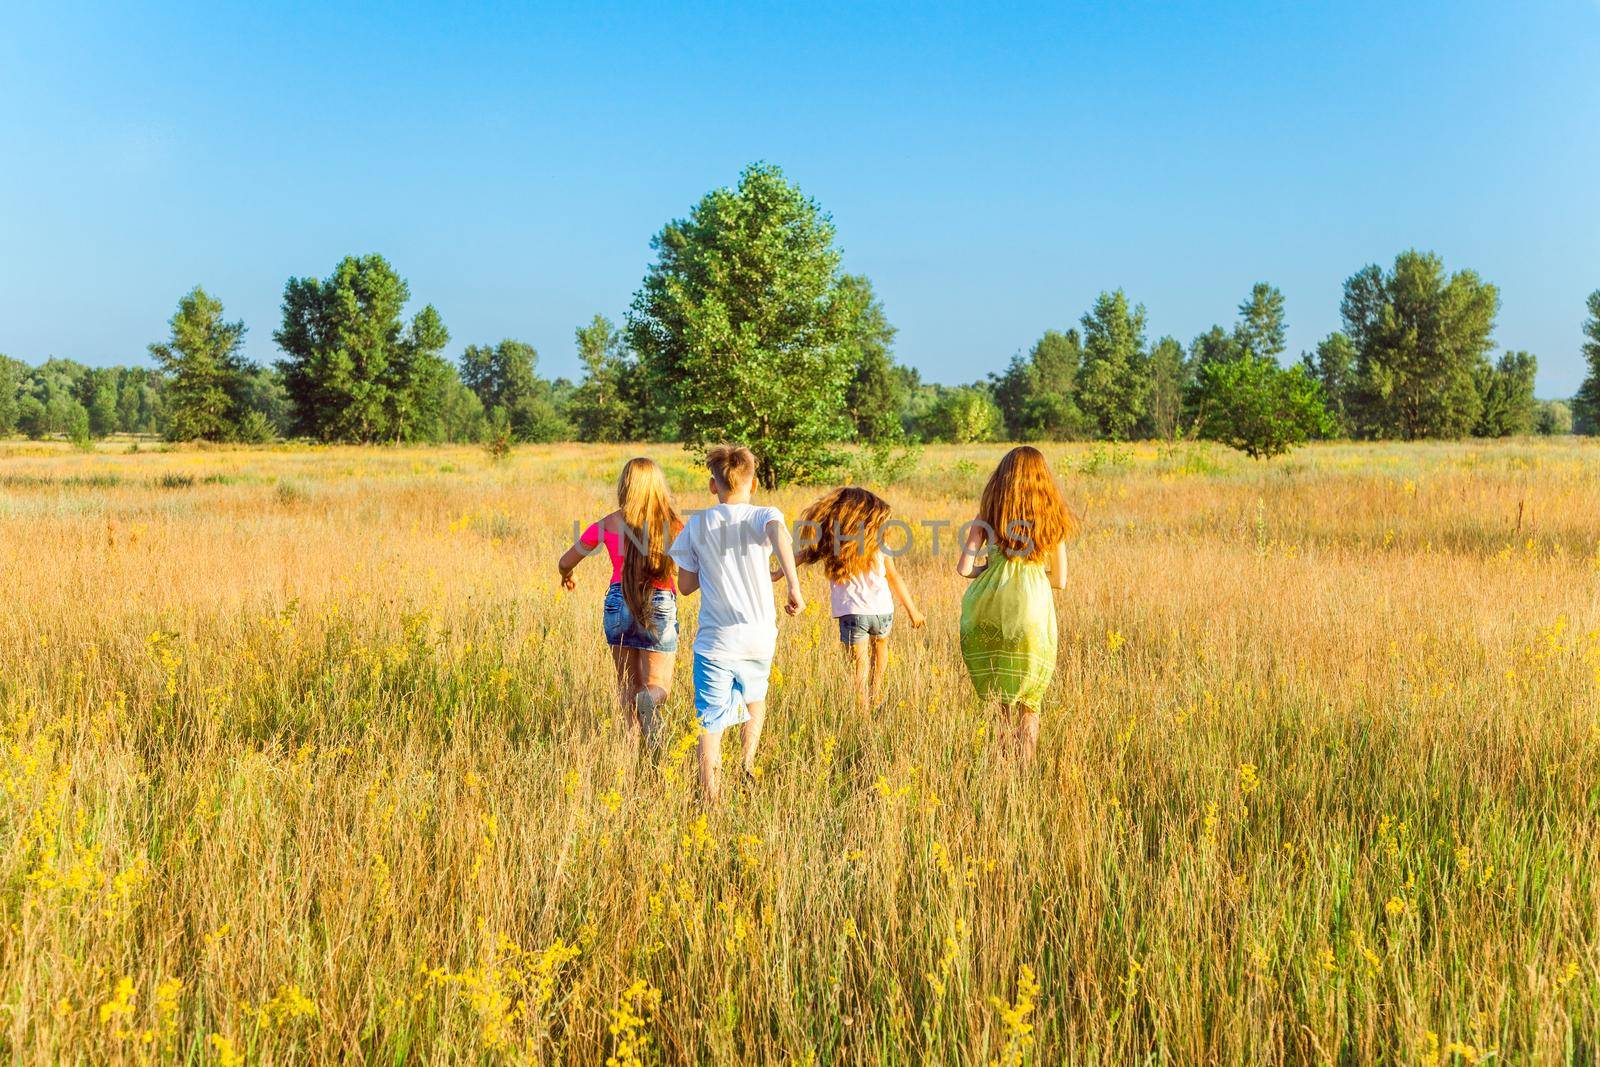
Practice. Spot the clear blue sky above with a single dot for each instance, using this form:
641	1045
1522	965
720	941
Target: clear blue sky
989	167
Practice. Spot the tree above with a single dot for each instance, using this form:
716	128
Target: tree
1420	339
204	361
1507	406
11	372
1113	383
353	372
1261	329
1169	377
1555	417
504	378
872	396
743	329
1035	394
609	404
964	415
1333	366
98	395
1252	404
1586	405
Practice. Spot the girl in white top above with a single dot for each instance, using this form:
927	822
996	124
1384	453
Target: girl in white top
844	532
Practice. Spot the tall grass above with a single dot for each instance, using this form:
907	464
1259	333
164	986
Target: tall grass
307	758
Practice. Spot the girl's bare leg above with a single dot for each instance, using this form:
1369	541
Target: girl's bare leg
651	683
880	666
1026	733
860	669
622	659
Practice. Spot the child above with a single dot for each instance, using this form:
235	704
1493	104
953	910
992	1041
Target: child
1008	619
722	552
640	617
847	527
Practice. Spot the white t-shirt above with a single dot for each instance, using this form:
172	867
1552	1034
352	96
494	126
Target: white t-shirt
864	594
726	546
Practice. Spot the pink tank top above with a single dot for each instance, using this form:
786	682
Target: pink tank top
616	548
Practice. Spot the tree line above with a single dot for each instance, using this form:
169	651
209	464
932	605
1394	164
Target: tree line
746	327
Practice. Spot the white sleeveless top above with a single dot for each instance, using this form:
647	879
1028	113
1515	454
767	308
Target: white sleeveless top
865	594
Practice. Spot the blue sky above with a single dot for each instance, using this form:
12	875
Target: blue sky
991	168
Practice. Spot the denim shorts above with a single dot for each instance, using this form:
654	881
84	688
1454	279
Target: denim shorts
854	629
661	633
723	688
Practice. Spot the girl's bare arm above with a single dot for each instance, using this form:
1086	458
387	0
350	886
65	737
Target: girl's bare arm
897	585
569	562
1058	566
967	564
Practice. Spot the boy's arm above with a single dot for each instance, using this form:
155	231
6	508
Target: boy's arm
783	545
688	581
897	585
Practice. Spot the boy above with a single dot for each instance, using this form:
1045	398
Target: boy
722	552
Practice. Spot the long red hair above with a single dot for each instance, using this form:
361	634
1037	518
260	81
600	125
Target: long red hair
1023	507
849	524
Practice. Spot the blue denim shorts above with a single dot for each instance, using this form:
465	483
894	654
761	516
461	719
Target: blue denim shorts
854	629
659	635
722	688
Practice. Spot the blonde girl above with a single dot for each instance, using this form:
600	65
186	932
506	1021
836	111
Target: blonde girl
640	618
1008	617
844	532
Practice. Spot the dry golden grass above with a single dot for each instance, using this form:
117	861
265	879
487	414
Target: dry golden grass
306	757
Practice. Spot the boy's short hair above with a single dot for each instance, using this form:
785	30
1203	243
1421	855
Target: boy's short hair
732	465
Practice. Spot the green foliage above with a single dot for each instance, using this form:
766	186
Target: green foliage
1554	417
1252	404
203	360
1170	374
743	329
504	379
1333	366
873	394
1261	327
1035	394
964	415
1420	339
1113	383
1586	405
11	372
353	371
612	403
1507	406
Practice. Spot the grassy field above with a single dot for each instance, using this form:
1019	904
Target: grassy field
307	757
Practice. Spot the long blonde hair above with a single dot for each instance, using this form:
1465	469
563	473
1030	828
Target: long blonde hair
848	524
649	523
1023	507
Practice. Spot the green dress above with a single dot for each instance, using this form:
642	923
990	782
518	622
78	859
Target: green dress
1008	631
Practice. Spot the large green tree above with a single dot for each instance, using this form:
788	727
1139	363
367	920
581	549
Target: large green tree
11	372
1333	365
611	403
505	379
1421	337
354	371
1256	406
1507	406
1113	383
873	394
204	362
1586	405
1261	328
743	329
1035	394
1169	376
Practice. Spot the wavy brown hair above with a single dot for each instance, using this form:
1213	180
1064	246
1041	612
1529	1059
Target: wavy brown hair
650	522
849	524
1023	507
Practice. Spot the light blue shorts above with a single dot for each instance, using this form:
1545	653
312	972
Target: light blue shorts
722	689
